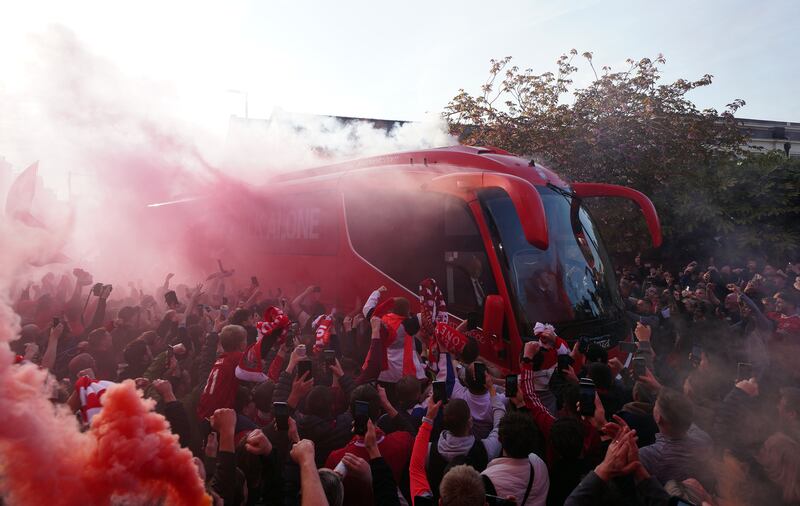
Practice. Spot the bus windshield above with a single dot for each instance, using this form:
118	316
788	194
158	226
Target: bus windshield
571	281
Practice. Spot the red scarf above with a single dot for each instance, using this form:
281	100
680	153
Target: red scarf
449	339
324	325
434	309
274	319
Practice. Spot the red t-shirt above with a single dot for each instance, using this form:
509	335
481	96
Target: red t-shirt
395	449
220	389
787	327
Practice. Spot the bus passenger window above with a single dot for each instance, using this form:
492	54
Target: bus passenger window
413	236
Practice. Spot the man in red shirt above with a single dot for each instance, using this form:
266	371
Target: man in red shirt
786	318
239	362
220	389
395	448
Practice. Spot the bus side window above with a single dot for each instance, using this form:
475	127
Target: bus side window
413	236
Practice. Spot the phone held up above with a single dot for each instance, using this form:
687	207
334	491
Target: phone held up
512	386
440	392
586	397
639	367
303	367
360	417
281	411
480	374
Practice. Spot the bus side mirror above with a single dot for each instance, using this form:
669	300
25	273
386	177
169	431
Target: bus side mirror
493	314
585	190
523	194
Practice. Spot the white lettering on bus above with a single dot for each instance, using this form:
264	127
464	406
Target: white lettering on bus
293	224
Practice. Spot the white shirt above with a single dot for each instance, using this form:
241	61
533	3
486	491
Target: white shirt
510	477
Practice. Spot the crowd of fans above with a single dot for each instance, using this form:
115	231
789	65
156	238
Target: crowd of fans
285	402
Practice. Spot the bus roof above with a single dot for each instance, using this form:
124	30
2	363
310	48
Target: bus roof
438	161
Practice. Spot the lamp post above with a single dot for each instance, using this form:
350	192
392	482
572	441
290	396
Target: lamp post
239	92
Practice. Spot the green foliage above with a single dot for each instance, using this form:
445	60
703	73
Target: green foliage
630	128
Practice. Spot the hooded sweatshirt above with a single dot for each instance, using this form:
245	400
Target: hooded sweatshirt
450	446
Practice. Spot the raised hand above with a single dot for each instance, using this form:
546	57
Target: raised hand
303	451
371	441
642	332
257	443
357	467
433	408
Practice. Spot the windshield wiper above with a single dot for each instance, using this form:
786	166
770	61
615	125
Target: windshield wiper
562	191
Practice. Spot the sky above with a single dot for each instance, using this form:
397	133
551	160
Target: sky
403	60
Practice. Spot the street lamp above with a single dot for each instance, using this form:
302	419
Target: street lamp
239	92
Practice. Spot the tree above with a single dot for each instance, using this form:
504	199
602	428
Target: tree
627	128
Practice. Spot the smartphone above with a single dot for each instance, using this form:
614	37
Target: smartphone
330	357
586	397
254	280
639	367
480	374
304	366
564	361
627	347
511	386
97	289
56	321
583	344
301	350
440	391
360	417
281	412
744	371
494	500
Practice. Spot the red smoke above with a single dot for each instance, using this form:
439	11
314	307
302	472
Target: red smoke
136	454
129	451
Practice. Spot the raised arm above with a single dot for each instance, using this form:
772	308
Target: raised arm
374	362
416	470
541	415
49	357
310	486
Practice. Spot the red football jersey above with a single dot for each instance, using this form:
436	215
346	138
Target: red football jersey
220	389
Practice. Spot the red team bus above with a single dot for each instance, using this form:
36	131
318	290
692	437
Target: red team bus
504	237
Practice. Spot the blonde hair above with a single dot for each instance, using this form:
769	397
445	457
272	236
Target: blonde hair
462	486
780	458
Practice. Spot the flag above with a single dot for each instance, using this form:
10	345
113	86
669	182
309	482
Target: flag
20	196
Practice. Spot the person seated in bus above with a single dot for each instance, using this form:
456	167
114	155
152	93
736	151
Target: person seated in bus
542	298
469	292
